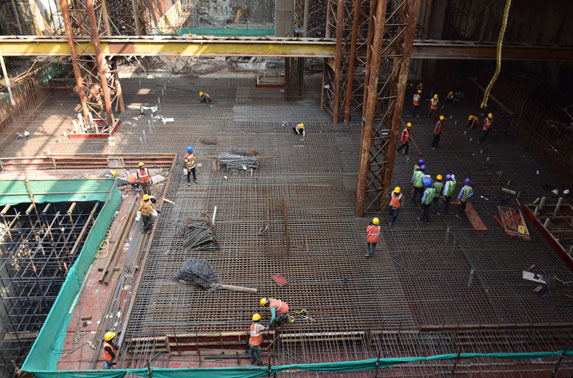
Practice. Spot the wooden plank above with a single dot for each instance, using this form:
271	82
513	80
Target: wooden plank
475	220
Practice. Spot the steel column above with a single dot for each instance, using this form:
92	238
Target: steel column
338	60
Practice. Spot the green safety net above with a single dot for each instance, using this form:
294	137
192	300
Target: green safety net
228	32
47	348
254	372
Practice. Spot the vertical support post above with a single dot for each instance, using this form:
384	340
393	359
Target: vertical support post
351	62
75	63
120	105
135	5
370	110
305	18
338	60
558	206
5	73
414	5
105	17
17	17
101	65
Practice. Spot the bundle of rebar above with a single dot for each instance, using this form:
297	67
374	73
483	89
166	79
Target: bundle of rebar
243	152
237	163
198	233
197	272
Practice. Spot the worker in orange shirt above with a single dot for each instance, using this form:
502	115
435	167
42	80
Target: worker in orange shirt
437	132
405	138
255	339
109	349
393	204
472	122
205	97
433	106
486	127
416	103
278	308
373	233
144	178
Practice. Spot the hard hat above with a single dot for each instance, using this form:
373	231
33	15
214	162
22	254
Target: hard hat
470	117
439	177
397	189
421	84
146	197
490	115
467	180
428	183
423	168
256	317
451	92
448	177
376	221
411	85
200	93
419	91
109	336
421	161
302	125
442	118
263	301
436	95
409	124
113	173
140	164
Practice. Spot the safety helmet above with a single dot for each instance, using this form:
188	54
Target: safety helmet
200	93
442	118
190	149
436	95
113	173
397	189
439	177
448	177
490	115
428	183
470	117
421	161
409	124
422	167
302	125
467	180
140	164
263	301
109	336
421	84
256	317
146	197
451	92
419	91
376	221
411	85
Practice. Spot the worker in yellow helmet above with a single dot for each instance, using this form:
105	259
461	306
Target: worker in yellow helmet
487	123
416	103
145	212
433	106
439	188
372	235
393	204
255	339
299	129
144	178
450	97
109	349
437	132
405	138
205	98
472	122
279	310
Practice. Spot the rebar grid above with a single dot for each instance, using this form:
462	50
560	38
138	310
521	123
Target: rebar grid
38	247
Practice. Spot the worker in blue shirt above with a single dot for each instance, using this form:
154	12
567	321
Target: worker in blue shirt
465	193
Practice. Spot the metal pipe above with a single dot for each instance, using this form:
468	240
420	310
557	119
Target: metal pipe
558	206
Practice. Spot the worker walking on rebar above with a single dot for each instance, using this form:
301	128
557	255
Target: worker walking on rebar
416	103
205	98
255	339
278	308
486	127
145	212
418	183
190	162
299	129
144	178
472	122
405	138
450	97
372	235
437	132
109	349
465	193
433	106
418	165
393	204
427	200
448	192
438	189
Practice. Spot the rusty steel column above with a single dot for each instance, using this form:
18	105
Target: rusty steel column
75	63
414	6
370	110
101	64
348	96
338	60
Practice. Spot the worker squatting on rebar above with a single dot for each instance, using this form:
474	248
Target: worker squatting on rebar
190	164
205	98
372	235
279	311
109	349
143	178
255	339
299	129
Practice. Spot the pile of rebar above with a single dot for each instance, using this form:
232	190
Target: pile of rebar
197	272
198	233
238	163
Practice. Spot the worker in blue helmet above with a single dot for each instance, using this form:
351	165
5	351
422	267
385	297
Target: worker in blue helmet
427	200
465	193
190	164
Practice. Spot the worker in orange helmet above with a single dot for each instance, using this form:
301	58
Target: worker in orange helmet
433	106
472	122
437	132
144	178
278	308
255	339
372	235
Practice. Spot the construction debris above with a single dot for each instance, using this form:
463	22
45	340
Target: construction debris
208	140
243	152
237	163
161	118
198	233
513	222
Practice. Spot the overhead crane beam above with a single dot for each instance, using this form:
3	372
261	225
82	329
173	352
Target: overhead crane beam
270	46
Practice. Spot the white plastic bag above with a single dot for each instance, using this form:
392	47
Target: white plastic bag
184	171
138	216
